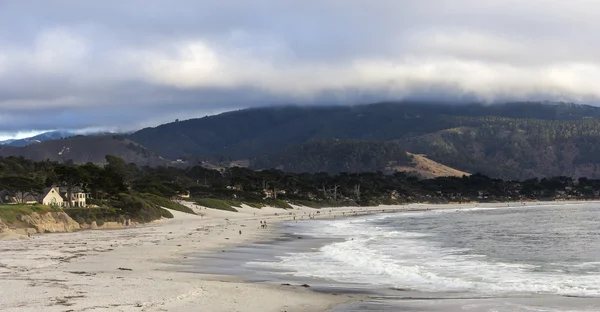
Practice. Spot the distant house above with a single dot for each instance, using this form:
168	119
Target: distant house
51	197
182	196
185	195
8	197
23	198
269	193
78	197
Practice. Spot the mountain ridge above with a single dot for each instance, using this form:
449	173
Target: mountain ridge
82	149
517	140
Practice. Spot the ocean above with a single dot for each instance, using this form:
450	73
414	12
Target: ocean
525	258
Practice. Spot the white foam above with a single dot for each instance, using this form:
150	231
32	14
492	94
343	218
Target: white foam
379	257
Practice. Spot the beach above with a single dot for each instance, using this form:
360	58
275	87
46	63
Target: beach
136	269
141	268
494	257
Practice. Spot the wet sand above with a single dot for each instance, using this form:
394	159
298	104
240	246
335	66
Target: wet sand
138	268
146	268
236	262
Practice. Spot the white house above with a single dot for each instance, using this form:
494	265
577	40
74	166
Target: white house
51	197
78	197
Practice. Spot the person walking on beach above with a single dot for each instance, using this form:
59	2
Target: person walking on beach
240	232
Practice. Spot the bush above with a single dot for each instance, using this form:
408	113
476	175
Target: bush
11	214
278	203
165	202
137	208
99	222
234	203
255	205
215	204
165	213
93	214
93	201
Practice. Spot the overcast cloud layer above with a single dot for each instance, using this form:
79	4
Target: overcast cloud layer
132	63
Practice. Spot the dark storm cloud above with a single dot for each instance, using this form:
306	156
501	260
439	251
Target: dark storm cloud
126	64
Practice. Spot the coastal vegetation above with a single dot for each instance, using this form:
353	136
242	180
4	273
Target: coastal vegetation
121	191
219	204
9	214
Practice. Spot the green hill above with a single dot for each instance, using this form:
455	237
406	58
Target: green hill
333	156
257	132
514	140
82	149
515	148
509	141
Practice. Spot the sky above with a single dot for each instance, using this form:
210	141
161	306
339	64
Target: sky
127	64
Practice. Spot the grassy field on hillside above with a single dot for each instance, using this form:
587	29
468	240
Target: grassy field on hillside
9	214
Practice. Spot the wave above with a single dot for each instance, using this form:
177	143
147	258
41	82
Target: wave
379	257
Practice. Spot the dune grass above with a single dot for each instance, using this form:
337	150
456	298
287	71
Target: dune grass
254	205
278	203
166	203
9	214
217	204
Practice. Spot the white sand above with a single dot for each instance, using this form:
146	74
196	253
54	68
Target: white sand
80	271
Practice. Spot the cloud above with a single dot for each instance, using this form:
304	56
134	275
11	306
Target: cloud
127	64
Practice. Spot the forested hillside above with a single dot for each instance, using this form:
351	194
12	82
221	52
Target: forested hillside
511	141
82	149
333	156
515	148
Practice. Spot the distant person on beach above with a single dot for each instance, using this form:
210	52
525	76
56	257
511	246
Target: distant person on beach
240	232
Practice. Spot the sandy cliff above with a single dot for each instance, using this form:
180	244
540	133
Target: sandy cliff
50	222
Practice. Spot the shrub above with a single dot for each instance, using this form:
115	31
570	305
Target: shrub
11	214
94	214
254	205
165	202
215	204
99	222
93	201
165	213
278	203
137	208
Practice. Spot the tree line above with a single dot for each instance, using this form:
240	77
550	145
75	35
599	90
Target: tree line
137	189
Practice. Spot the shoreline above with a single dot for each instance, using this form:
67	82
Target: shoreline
135	269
